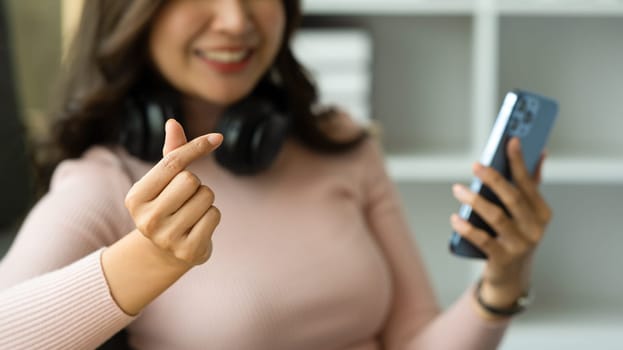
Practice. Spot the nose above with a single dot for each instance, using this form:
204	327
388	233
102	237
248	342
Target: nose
232	17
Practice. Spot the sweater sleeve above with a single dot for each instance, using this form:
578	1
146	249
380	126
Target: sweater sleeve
415	320
53	293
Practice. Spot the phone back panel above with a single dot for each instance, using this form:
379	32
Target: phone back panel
523	114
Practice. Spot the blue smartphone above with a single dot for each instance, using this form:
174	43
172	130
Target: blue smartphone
523	114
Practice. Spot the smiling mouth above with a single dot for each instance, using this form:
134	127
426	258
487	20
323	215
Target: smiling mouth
224	56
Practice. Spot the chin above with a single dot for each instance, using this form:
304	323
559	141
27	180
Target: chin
225	97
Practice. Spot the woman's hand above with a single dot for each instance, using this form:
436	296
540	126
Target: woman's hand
175	218
169	204
510	254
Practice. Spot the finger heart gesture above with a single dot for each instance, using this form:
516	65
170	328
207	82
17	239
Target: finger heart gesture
170	206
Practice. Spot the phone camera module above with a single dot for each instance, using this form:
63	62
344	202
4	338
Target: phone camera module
521	105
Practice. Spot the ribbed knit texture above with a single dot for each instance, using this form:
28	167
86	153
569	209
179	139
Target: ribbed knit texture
313	254
70	308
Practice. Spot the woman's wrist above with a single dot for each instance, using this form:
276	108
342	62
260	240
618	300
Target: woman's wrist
137	271
501	302
499	296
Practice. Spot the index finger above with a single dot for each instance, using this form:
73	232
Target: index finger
158	177
521	177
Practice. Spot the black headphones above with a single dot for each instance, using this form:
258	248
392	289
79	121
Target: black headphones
254	131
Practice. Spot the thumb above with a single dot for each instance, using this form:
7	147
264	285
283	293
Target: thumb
174	136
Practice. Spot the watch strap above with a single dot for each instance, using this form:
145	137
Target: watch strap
518	306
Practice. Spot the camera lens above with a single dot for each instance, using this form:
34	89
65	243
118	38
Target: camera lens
521	105
528	117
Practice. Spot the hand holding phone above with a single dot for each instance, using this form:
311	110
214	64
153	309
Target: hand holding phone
525	115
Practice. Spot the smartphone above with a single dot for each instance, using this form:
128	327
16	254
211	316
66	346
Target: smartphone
523	114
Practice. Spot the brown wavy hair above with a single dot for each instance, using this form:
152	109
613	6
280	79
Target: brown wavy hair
109	56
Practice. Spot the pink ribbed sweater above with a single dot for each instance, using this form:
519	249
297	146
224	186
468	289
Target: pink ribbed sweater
313	254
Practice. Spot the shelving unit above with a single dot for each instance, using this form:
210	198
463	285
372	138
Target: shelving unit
440	70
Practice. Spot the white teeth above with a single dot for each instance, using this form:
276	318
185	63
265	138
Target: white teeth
225	56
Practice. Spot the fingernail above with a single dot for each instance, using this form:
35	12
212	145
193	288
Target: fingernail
459	190
457	221
214	138
168	124
454	218
478	168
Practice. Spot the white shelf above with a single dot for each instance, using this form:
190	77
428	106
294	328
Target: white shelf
388	7
583	170
430	168
558	335
340	47
585	327
442	168
607	8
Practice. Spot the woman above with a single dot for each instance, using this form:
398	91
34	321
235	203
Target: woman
312	250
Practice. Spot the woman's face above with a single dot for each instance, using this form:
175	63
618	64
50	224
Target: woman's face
216	50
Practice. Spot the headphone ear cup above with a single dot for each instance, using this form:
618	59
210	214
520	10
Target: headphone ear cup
132	135
267	140
235	153
230	153
142	134
253	134
155	118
